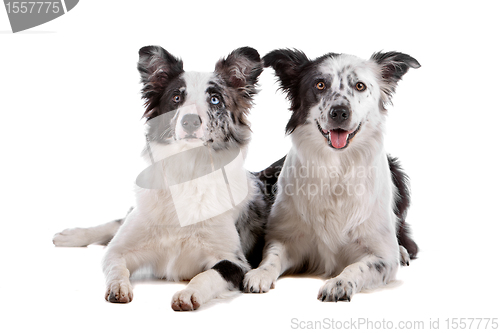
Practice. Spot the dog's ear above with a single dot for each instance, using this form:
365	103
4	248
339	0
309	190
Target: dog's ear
241	70
156	67
393	65
287	65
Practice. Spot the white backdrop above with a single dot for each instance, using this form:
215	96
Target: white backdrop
71	133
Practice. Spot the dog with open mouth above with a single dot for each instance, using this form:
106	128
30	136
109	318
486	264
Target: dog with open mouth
199	215
341	201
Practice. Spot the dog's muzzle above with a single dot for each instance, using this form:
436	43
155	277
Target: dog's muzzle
190	123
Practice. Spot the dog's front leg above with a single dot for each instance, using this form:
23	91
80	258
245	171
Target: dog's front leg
275	263
370	272
223	276
128	251
118	287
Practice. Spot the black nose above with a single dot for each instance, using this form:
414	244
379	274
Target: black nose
191	122
340	113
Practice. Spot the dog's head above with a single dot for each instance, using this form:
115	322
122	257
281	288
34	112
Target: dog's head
211	107
340	96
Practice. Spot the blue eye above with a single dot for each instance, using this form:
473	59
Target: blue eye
214	100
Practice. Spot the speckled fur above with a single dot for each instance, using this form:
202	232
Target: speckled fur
333	215
212	253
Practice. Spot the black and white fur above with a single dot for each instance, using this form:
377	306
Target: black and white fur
341	201
213	254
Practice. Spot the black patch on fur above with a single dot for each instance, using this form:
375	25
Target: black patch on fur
157	68
402	204
163	129
254	254
230	272
269	177
251	226
297	76
256	218
379	267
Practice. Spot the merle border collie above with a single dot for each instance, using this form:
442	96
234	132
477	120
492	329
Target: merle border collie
197	127
341	200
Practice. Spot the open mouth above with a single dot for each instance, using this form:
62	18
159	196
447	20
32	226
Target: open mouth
338	138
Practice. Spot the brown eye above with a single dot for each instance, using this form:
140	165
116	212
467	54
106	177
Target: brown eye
320	85
360	86
176	98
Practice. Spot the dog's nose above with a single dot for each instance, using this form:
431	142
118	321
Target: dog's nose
340	114
191	122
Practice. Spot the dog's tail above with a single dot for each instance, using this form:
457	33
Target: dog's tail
402	184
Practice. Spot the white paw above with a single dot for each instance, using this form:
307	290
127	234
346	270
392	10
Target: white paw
186	300
119	291
259	280
336	289
71	237
404	257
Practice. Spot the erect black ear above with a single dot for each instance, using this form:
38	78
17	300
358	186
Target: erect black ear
393	65
287	65
241	70
157	67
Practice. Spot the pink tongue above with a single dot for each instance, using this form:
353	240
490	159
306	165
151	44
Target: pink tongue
338	138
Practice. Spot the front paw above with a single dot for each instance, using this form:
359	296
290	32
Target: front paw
186	300
119	292
258	281
336	289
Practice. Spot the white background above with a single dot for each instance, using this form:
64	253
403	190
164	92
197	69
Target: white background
71	134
